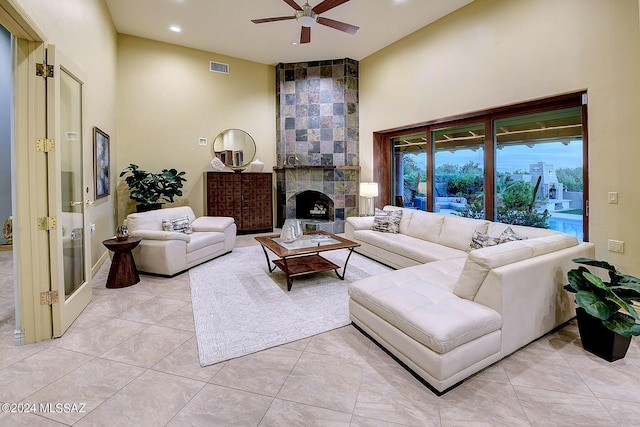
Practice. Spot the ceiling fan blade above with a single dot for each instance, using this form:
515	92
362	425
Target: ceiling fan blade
326	5
342	26
305	35
293	4
278	18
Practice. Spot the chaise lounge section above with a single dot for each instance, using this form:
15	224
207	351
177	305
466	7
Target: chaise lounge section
449	311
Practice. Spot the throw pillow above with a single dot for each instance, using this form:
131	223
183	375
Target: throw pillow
387	221
480	240
508	235
178	224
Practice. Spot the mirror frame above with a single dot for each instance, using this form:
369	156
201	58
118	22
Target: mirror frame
232	150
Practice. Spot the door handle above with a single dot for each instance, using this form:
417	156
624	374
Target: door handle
75	203
89	202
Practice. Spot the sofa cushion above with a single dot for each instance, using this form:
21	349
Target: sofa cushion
481	261
418	301
457	231
508	235
409	247
480	240
152	220
212	223
425	226
200	240
495	229
546	244
181	225
407	214
387	221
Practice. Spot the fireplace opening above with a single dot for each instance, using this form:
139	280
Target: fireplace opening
314	205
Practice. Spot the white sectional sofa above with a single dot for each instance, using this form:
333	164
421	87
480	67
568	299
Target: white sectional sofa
449	311
168	253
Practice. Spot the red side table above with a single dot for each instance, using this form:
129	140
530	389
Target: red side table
123	271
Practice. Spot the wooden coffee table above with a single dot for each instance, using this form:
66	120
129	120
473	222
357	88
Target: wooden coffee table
302	256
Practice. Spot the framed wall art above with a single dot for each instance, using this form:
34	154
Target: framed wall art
101	163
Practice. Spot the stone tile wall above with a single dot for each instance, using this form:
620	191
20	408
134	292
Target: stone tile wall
317	130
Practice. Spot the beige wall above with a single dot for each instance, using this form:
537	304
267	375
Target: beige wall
498	52
168	99
82	30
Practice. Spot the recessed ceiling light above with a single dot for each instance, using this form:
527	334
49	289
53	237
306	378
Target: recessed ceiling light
175	28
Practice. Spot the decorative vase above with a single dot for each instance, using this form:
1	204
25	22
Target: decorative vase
255	166
122	232
296	226
600	340
288	233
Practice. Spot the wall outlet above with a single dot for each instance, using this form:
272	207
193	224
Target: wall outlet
615	245
202	141
613	197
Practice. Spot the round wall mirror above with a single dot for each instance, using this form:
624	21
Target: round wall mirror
235	148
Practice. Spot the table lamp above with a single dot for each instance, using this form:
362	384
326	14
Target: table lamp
369	190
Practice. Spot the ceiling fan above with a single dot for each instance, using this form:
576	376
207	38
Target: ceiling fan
308	16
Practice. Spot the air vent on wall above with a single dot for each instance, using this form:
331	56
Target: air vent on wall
219	67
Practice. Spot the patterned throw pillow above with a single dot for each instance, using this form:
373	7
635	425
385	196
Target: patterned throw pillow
387	221
480	240
181	225
508	235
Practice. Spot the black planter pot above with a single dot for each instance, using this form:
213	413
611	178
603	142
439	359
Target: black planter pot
147	208
599	340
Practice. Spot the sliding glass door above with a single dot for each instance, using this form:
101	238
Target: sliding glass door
410	170
539	170
524	164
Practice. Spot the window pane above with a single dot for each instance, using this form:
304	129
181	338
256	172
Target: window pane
543	151
410	170
459	170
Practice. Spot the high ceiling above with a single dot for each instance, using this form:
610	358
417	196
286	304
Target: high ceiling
225	27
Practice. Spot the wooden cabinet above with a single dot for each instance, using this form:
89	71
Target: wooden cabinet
244	196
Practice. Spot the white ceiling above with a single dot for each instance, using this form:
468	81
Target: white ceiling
225	27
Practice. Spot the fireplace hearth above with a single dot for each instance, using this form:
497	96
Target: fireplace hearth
314	205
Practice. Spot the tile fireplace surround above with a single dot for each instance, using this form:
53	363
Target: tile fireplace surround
317	131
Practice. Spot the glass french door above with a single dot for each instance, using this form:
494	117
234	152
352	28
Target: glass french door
69	195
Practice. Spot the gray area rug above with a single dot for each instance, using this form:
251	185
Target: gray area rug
240	308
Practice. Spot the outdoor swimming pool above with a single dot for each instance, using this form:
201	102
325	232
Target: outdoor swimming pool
567	225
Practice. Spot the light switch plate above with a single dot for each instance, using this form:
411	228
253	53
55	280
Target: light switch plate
202	141
613	197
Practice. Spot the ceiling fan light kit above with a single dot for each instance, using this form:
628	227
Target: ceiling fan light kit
308	16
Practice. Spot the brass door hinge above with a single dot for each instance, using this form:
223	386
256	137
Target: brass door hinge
44	70
47	223
49	298
45	145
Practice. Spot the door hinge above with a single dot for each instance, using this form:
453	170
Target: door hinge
44	70
49	298
47	223
45	145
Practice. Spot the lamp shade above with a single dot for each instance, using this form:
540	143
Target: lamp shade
369	189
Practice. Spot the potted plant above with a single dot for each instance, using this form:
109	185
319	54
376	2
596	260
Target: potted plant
151	190
606	317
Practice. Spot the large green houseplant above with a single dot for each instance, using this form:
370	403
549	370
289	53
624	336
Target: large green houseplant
151	190
605	307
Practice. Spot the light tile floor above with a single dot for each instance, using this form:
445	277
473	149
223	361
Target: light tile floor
131	359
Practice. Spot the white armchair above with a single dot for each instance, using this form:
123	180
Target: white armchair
168	253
